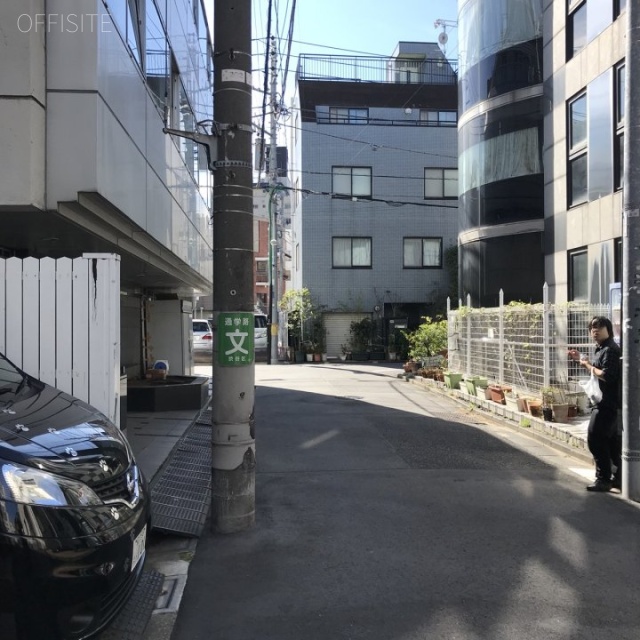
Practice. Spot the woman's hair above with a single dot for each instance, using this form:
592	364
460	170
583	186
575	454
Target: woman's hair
601	321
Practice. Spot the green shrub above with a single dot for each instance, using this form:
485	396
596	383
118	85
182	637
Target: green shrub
428	340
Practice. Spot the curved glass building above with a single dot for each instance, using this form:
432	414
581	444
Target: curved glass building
500	147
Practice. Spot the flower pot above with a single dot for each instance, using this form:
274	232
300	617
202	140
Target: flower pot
535	408
511	402
547	414
496	393
309	357
317	357
561	412
452	380
299	356
471	387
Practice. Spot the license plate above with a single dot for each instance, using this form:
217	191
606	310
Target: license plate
138	547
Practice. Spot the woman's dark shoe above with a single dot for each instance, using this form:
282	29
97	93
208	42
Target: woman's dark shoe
600	486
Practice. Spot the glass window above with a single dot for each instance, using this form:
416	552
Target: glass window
126	16
577	31
620	89
578	122
344	115
351	253
351	182
439	118
620	6
422	253
578	180
440	183
619	160
578	275
156	58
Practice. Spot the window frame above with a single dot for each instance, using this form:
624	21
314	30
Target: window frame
574	253
423	265
573	7
439	121
351	238
443	183
351	116
344	196
577	152
619	126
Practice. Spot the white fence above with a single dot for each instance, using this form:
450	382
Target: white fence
521	345
60	322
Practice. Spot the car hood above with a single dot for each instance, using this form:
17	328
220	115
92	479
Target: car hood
44	427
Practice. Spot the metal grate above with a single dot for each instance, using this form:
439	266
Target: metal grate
132	620
181	494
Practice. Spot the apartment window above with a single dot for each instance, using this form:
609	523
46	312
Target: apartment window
578	275
578	159
157	63
440	183
422	253
619	7
343	115
262	276
576	29
618	140
127	17
438	118
351	182
351	253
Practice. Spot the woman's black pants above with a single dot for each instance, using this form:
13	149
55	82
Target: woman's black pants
604	441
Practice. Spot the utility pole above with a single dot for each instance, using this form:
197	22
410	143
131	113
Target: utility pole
631	264
233	437
273	207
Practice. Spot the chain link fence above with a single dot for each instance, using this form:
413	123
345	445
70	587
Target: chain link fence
522	345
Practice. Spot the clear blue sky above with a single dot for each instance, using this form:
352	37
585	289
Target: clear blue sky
358	27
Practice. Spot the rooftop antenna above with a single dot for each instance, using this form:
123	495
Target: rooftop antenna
443	36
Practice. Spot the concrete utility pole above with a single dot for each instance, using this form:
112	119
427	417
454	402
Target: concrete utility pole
631	264
273	206
233	445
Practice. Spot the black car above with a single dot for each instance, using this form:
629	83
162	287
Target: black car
74	512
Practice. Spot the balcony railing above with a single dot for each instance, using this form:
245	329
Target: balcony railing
376	69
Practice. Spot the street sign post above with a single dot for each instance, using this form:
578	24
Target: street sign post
235	339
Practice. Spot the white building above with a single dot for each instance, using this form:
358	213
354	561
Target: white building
85	91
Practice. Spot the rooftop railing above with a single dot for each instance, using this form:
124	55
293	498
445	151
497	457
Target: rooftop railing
377	69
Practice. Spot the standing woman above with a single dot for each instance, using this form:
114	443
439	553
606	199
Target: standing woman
605	443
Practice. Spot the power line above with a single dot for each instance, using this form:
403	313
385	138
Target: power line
372	144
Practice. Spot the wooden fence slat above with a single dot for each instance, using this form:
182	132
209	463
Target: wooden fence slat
47	321
3	307
80	329
14	310
64	324
31	316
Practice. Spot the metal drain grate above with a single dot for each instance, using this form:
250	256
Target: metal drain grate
131	622
181	494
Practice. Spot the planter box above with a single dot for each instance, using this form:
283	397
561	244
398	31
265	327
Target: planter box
496	392
452	380
535	408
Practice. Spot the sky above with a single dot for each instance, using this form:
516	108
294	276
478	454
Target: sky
346	27
353	27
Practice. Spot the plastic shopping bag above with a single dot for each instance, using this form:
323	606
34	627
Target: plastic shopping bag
592	389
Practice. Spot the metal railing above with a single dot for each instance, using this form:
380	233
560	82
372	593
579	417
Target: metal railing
522	345
377	69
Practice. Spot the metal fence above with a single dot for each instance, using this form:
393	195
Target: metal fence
522	345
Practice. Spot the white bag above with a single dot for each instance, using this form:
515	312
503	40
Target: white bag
592	388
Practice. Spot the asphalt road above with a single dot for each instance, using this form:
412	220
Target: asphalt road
387	512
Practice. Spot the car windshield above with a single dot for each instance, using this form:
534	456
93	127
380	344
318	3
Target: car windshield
202	325
260	322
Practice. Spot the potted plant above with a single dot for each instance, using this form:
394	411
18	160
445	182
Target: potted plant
345	352
546	402
361	331
392	354
298	306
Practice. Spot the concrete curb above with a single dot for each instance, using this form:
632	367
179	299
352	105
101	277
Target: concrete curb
567	438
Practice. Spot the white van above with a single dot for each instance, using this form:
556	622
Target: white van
260	331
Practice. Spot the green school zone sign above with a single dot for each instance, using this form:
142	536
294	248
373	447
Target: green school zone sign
235	339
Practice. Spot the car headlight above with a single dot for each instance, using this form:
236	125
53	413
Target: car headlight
31	486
